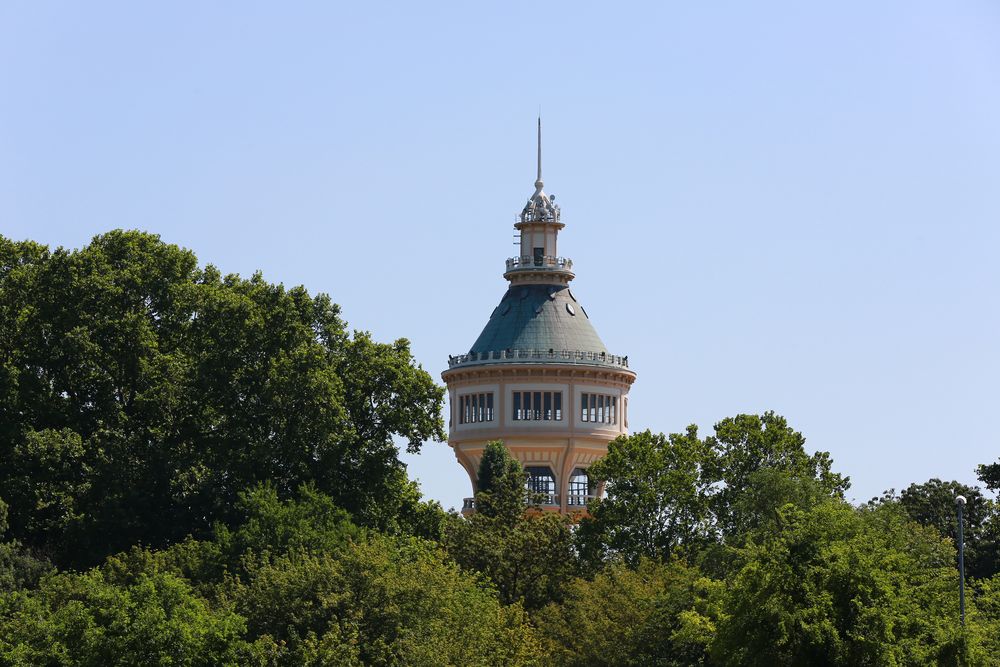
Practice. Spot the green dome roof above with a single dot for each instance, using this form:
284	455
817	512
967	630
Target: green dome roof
539	317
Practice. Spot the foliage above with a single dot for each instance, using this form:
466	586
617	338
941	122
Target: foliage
989	474
655	614
684	494
295	583
985	615
381	603
840	586
220	453
140	395
526	553
500	483
658	498
528	560
933	504
310	522
746	446
19	568
90	619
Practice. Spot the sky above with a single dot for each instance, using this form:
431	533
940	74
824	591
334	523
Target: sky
778	206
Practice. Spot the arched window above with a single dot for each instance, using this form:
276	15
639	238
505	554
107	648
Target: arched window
579	488
541	480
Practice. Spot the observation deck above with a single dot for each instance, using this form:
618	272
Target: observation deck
579	357
546	263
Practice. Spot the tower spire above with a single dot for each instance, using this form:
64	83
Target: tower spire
540	206
538	181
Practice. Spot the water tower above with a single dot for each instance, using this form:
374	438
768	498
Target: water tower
539	378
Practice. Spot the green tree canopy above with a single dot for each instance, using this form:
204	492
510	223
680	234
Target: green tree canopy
839	586
681	493
989	474
526	553
501	490
382	602
293	583
141	394
933	504
93	620
658	498
655	614
744	448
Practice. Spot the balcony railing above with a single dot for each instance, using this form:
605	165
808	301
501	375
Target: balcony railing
581	357
541	262
547	500
579	500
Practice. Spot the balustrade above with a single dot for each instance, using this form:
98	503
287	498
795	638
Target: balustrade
528	356
525	262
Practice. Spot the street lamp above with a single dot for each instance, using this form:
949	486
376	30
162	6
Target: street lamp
960	504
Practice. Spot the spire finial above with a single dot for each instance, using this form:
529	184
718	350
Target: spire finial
538	181
540	207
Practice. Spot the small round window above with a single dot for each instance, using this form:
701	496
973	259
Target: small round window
570	309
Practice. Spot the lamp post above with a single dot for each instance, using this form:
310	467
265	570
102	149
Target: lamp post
960	504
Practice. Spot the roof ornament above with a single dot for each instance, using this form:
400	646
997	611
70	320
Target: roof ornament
540	207
538	181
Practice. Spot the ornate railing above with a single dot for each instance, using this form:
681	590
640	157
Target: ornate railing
547	500
581	357
579	500
530	262
539	214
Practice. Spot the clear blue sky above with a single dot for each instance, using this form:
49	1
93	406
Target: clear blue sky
780	206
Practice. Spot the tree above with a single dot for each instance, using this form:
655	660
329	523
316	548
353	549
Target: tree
841	586
657	502
746	445
656	614
501	484
989	474
141	394
526	553
19	568
294	582
933	504
383	602
91	619
987	613
682	494
271	527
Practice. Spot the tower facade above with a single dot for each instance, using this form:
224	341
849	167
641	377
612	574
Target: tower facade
539	378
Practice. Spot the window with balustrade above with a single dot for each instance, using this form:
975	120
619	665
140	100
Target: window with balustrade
475	408
579	489
599	408
537	406
540	480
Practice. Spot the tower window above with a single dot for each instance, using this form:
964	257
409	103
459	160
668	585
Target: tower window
579	488
475	408
539	256
537	406
599	408
541	480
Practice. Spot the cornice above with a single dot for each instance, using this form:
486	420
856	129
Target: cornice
528	372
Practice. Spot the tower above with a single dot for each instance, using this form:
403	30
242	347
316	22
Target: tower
539	378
